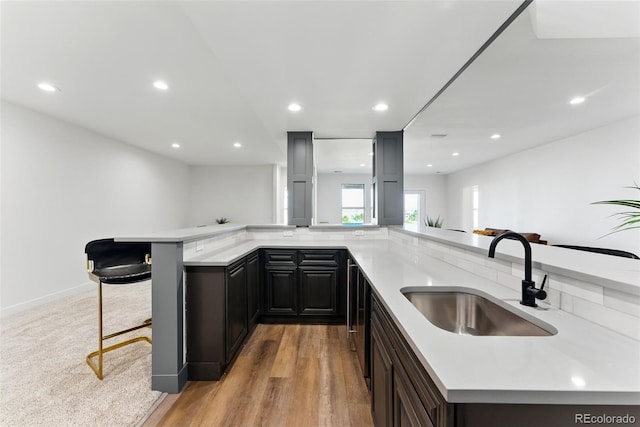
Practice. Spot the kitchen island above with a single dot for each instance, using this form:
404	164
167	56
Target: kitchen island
582	364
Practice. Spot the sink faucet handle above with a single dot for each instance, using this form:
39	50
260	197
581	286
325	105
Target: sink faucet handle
544	280
534	292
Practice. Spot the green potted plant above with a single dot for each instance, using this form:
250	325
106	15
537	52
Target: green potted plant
437	223
222	220
630	219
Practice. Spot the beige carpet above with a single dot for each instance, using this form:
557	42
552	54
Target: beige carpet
44	380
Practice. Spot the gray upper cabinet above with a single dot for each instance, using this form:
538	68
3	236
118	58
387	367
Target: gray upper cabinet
299	177
388	178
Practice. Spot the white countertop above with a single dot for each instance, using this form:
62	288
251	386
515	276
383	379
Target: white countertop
183	234
582	364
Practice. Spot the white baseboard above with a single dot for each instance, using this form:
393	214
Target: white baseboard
17	308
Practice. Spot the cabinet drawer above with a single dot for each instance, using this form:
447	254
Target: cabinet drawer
280	257
319	257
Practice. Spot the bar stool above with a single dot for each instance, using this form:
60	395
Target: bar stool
116	263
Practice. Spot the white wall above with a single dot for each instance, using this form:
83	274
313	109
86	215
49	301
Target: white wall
329	196
434	189
549	189
242	194
63	186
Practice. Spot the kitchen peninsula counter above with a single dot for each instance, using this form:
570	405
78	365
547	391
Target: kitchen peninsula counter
583	363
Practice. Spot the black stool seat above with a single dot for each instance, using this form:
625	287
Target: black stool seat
123	274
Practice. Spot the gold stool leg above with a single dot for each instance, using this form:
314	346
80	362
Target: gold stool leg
101	350
98	369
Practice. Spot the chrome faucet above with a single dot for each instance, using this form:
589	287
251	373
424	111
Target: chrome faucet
529	290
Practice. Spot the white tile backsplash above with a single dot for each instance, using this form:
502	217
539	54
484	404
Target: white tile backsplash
624	323
624	302
553	297
465	264
566	302
486	272
511	282
583	290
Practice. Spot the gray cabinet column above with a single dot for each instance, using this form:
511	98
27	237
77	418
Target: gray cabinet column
168	370
299	177
388	178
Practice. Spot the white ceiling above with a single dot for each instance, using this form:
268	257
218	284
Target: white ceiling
520	88
234	66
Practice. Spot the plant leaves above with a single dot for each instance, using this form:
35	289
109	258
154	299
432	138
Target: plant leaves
629	219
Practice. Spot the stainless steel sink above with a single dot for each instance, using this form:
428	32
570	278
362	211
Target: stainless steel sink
469	313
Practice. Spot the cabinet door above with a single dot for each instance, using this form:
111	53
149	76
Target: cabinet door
280	289
205	317
362	322
318	291
236	310
253	282
408	411
381	381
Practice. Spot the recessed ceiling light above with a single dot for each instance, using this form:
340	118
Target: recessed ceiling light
160	85
362	165
455	154
371	153
294	106
496	136
577	100
429	165
381	107
48	87
175	145
237	144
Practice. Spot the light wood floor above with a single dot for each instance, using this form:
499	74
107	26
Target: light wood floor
286	375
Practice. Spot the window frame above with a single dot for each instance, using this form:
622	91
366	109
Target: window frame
344	208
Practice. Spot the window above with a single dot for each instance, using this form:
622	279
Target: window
411	208
476	198
352	204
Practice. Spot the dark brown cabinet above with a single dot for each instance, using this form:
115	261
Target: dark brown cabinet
358	314
280	292
303	286
402	393
217	315
236	317
318	291
253	288
381	379
408	411
223	304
